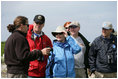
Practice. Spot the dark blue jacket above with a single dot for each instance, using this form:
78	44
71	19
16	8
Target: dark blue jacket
99	53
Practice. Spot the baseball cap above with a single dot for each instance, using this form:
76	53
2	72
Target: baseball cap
107	25
74	24
39	19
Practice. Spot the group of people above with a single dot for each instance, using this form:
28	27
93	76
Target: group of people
29	53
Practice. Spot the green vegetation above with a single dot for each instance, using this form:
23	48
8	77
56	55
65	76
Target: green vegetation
2	48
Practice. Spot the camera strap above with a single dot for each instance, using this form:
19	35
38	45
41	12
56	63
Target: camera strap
50	65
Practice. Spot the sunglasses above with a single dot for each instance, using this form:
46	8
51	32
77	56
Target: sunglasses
73	26
27	25
66	28
59	33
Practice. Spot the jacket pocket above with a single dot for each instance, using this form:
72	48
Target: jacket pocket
33	65
58	70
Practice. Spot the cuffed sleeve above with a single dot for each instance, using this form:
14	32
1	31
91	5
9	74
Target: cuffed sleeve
23	51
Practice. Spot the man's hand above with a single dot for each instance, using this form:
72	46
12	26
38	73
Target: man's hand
91	74
46	51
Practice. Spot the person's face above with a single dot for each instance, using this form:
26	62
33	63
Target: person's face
37	28
66	26
60	37
74	30
106	32
67	29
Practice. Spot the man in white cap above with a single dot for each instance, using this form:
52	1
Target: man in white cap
81	59
103	54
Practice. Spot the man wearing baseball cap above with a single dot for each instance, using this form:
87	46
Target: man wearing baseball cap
81	59
103	54
38	40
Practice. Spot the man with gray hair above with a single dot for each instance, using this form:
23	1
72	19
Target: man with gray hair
103	54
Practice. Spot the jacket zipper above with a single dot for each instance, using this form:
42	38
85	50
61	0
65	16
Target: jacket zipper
66	63
35	43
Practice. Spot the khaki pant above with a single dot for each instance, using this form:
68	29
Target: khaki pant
16	75
103	75
80	73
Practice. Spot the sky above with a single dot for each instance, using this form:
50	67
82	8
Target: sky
90	15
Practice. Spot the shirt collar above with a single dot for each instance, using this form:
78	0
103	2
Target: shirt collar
37	35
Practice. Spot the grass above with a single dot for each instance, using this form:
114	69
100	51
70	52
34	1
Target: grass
2	48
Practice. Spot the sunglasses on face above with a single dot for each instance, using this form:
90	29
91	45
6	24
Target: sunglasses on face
66	28
59	33
73	26
27	25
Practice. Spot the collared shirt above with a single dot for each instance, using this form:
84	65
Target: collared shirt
37	35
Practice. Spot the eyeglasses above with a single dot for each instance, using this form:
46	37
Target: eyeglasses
59	33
